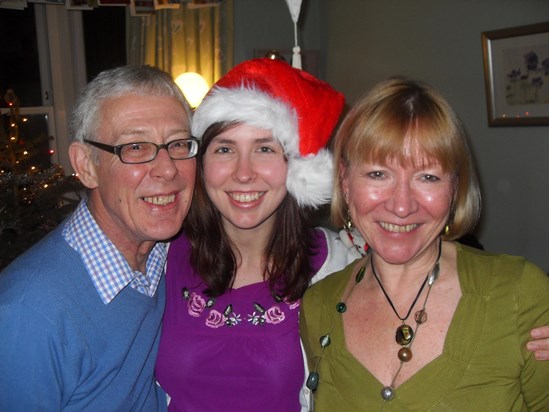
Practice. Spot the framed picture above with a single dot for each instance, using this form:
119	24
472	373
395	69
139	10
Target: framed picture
166	4
114	3
13	4
80	4
61	2
141	8
516	72
199	4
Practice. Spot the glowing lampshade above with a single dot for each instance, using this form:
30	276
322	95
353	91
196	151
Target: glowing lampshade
193	86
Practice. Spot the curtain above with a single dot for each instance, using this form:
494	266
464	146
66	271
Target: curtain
184	40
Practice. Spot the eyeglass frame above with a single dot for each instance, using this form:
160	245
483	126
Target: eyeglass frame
117	150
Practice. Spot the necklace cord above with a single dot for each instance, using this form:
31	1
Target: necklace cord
388	392
418	293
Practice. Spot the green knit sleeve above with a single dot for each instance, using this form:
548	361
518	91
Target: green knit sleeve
532	311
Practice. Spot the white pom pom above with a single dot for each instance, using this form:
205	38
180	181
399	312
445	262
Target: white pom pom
310	179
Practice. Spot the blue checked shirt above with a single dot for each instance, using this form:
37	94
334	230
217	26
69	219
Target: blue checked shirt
108	269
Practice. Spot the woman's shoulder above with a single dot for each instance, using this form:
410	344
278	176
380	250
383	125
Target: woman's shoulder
481	257
179	245
490	268
179	255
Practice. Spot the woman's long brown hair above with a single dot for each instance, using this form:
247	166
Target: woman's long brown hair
287	263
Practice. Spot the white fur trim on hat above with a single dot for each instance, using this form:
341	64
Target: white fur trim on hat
251	106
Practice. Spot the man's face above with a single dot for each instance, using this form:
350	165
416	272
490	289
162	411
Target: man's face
145	202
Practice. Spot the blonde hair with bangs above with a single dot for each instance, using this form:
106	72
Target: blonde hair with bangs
409	122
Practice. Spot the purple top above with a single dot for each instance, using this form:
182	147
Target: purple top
238	352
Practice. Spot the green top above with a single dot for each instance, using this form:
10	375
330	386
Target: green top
484	364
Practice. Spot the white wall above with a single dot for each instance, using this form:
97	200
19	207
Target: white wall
438	41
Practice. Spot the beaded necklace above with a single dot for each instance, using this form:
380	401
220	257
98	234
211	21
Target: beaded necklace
404	334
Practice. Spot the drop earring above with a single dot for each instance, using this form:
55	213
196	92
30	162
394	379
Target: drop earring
348	223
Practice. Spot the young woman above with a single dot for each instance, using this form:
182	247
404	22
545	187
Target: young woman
230	339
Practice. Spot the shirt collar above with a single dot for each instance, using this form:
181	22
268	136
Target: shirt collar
108	269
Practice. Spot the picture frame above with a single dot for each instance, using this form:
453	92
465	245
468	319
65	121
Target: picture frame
141	8
13	4
516	74
200	4
58	2
79	5
166	4
115	3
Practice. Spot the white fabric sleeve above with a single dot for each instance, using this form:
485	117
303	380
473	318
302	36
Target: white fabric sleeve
339	256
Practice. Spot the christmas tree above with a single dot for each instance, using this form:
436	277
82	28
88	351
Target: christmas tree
35	195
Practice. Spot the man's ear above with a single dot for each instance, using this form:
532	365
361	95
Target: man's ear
81	159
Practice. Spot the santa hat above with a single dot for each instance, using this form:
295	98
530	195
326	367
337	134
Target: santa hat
300	110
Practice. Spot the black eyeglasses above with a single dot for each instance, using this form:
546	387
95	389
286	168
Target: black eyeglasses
143	152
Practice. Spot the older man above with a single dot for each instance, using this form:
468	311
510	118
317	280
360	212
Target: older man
80	312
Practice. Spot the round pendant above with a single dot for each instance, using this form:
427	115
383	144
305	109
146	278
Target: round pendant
312	381
341	307
404	334
405	354
325	341
388	393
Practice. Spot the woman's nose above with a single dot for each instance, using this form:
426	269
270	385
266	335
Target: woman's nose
244	169
402	201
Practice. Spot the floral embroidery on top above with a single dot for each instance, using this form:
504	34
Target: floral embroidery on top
197	305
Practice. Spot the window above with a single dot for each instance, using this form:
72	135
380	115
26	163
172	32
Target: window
48	54
42	63
24	83
20	68
105	49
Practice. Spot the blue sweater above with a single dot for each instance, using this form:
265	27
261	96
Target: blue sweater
62	348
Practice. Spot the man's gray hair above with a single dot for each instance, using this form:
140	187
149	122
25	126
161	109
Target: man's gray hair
138	80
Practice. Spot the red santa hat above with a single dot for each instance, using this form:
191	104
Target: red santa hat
300	110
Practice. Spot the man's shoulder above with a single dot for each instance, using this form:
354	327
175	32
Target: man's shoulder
51	251
47	269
